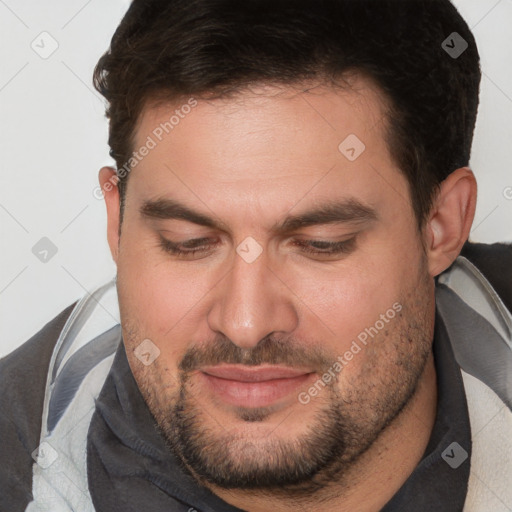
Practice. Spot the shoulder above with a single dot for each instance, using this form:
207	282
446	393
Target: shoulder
495	263
23	375
34	355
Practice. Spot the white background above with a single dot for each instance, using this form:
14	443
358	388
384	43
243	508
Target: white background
54	141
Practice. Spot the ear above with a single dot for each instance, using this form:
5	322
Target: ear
450	219
108	183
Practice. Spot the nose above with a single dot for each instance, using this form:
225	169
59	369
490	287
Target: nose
251	302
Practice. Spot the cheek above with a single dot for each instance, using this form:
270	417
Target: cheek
345	305
340	303
156	294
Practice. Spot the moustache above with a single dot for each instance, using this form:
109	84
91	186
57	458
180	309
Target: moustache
268	351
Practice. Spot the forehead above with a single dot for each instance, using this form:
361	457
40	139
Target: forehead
268	145
355	104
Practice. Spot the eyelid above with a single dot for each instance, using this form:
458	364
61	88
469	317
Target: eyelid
330	248
307	237
310	240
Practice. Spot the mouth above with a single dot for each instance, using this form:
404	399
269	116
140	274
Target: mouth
258	386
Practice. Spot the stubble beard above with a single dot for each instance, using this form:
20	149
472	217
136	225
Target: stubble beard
351	414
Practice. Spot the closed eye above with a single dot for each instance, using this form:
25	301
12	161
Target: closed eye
193	246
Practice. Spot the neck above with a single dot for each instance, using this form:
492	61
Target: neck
377	475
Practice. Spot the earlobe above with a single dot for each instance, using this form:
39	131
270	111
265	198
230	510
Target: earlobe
451	219
108	183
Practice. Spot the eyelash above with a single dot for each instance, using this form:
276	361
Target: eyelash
334	248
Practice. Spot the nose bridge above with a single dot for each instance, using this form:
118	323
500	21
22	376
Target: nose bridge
251	302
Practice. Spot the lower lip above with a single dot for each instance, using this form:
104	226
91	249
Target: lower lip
254	394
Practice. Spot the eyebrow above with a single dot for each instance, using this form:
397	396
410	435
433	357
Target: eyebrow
329	212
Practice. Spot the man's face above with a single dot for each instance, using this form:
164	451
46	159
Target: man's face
249	324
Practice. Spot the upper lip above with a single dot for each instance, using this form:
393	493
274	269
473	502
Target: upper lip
253	374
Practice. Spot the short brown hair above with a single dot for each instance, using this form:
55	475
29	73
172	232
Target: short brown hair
174	49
